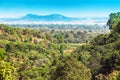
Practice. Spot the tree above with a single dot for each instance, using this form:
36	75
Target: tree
2	51
69	68
61	49
114	22
7	72
111	62
60	38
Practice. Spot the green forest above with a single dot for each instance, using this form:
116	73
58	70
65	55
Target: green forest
31	54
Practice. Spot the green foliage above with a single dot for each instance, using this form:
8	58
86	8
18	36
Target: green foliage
113	76
114	21
69	68
118	77
32	74
111	62
39	54
60	38
102	55
30	59
62	48
7	72
105	38
2	51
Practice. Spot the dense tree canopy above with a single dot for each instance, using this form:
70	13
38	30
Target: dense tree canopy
114	21
69	68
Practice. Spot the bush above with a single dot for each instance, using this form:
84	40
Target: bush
69	69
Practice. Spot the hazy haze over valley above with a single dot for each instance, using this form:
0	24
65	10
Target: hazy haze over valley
54	19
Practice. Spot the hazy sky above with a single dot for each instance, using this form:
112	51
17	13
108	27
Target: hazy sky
73	8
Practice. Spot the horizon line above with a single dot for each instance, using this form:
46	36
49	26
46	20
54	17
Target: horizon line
85	16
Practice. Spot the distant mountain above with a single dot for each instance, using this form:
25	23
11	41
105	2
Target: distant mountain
52	17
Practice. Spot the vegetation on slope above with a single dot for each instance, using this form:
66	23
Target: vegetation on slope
28	54
34	54
102	54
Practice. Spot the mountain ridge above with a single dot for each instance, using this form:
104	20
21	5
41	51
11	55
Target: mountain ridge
51	17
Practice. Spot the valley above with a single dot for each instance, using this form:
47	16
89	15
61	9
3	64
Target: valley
60	51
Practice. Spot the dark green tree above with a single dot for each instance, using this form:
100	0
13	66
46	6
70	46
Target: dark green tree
114	22
69	68
60	38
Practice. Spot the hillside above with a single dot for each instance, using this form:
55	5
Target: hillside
102	54
27	50
33	54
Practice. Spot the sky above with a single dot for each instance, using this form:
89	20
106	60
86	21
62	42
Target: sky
70	8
